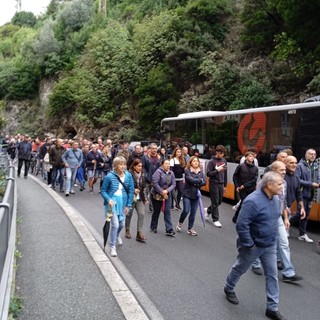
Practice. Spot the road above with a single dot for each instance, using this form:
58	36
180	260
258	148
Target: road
183	277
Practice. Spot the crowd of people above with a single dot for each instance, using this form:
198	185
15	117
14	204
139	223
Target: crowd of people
132	180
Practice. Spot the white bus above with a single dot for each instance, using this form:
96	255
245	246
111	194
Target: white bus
268	129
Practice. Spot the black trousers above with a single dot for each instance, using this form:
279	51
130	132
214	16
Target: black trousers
216	195
26	166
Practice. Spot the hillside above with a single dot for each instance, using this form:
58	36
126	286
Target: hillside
118	67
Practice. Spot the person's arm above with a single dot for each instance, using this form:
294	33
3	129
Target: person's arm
247	212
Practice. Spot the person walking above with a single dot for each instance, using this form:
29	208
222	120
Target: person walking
72	160
194	179
308	173
163	183
177	165
245	179
257	228
58	170
140	199
94	164
24	149
217	173
117	192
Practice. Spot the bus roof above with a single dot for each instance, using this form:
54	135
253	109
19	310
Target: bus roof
210	114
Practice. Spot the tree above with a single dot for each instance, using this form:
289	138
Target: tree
24	18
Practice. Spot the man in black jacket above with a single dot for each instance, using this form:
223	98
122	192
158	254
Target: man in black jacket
24	155
217	173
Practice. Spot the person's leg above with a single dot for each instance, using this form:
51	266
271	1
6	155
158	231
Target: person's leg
269	263
179	187
128	222
20	162
303	222
244	260
284	250
114	230
73	178
26	167
194	206
167	215
140	208
186	209
155	215
216	201
68	182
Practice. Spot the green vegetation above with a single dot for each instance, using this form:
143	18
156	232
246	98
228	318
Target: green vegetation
137	61
15	306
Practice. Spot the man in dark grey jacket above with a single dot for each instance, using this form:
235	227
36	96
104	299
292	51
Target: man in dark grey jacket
24	155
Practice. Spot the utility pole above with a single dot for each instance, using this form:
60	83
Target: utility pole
18	5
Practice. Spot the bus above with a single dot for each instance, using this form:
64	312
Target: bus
268	129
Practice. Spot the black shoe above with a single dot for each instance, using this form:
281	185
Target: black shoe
275	315
81	188
231	296
170	233
153	230
295	278
279	265
257	271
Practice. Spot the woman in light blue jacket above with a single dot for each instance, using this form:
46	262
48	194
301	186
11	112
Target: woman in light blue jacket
117	191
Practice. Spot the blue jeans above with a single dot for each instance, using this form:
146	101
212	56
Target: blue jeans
80	176
268	257
117	221
57	174
189	205
156	212
71	177
284	250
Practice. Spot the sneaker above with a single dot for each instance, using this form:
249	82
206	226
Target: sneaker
257	271
82	188
113	252
235	208
75	185
295	278
305	238
231	296
170	233
72	192
178	227
49	185
91	191
206	214
217	224
275	315
192	232
67	194
119	241
154	230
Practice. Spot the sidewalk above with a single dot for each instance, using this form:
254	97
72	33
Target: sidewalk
56	276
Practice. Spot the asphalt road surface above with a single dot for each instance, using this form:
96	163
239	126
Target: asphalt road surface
183	277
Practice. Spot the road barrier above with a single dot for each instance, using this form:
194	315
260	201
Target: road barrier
8	213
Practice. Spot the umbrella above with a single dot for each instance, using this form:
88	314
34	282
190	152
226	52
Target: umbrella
163	207
106	227
202	215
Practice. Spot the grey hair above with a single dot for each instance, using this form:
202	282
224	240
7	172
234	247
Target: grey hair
118	160
269	177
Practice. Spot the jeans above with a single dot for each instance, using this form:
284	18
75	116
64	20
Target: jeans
268	257
284	250
189	205
303	222
80	176
156	212
117	221
71	177
26	166
57	174
140	208
216	195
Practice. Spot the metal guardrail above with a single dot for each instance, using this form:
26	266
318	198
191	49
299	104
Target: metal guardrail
8	213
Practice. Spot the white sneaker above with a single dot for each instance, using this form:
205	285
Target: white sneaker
206	214
217	224
305	238
113	252
119	241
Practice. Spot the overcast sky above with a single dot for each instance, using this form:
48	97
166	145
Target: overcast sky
7	8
